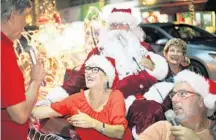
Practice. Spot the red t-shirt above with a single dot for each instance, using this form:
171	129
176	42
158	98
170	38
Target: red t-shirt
12	91
113	112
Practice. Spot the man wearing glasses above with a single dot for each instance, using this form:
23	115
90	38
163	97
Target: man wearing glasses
193	99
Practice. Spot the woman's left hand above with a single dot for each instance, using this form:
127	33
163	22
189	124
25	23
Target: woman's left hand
82	120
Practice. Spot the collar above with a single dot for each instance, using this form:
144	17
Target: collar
6	39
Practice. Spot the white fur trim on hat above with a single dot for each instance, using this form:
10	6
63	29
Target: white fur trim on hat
153	94
199	84
103	63
122	17
161	66
129	101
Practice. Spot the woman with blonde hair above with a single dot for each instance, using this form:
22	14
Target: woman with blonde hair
175	52
96	113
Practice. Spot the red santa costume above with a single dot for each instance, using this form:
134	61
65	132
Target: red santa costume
126	47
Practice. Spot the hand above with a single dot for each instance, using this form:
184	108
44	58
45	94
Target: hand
38	72
82	120
185	62
147	63
183	133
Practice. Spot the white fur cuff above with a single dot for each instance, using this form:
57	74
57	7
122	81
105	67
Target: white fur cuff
161	66
57	94
159	91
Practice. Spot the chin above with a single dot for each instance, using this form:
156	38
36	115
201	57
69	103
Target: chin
180	118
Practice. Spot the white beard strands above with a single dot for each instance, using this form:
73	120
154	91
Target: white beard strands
123	46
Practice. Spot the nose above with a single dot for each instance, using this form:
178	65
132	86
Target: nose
175	98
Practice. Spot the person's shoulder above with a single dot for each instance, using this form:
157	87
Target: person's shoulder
77	95
117	94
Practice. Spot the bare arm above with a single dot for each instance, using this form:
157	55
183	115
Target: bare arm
113	131
43	112
85	121
21	112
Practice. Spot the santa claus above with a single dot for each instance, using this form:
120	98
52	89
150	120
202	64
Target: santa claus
137	66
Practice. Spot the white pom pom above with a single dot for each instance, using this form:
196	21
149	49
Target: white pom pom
159	91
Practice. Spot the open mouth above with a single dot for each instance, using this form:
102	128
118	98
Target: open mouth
89	78
175	58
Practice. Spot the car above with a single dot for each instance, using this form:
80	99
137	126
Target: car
201	47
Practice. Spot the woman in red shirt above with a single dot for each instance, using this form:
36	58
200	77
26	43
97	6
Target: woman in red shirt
98	112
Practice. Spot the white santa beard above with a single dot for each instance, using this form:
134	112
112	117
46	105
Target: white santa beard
124	47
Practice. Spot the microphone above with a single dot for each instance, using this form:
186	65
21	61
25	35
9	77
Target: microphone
32	55
170	116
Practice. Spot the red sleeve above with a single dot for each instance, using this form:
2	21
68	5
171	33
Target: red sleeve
118	110
13	90
66	106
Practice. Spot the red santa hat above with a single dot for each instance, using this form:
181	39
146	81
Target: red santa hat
204	87
122	16
107	64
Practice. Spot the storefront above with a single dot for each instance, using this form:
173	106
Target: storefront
202	19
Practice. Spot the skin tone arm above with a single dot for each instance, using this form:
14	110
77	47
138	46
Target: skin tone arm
85	121
43	112
21	112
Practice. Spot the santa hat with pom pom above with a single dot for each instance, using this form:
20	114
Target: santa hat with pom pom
202	86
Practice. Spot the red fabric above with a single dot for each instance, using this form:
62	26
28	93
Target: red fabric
136	83
93	134
143	113
212	87
147	46
12	91
113	112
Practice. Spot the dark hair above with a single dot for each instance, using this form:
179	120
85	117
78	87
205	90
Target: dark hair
8	6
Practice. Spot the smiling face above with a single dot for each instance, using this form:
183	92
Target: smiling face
94	77
186	103
175	55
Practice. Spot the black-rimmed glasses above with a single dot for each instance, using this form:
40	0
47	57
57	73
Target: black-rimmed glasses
94	69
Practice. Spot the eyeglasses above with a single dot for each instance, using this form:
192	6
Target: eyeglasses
182	94
93	69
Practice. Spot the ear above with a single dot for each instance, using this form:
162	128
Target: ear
201	102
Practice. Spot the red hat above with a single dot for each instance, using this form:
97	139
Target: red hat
107	64
122	16
210	99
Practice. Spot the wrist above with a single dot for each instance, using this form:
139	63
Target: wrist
35	82
94	124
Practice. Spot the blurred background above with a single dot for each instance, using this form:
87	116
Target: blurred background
197	12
